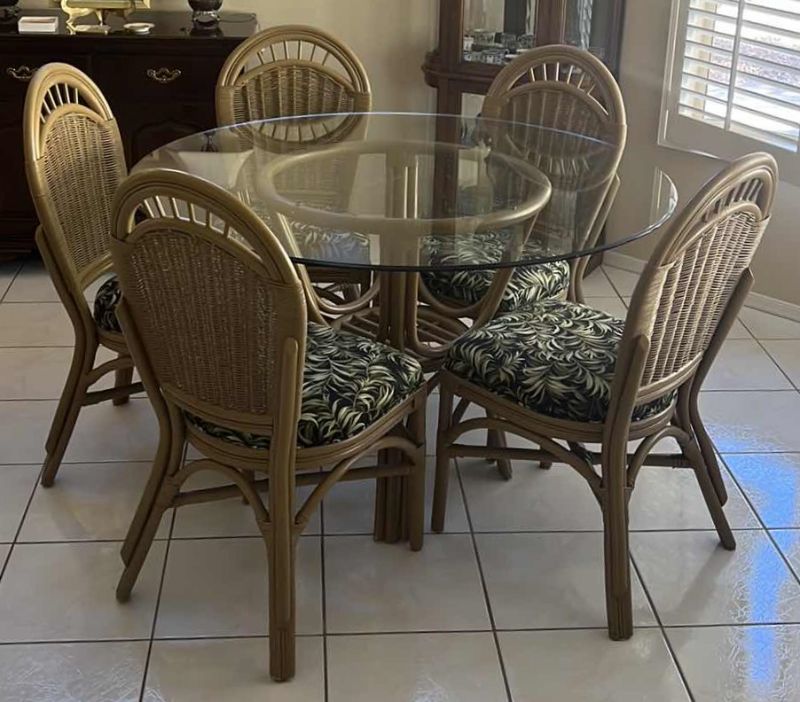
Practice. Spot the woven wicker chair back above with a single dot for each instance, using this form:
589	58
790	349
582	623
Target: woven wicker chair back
291	71
567	91
213	297
75	162
684	291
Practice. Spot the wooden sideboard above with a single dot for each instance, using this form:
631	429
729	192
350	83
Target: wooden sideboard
160	87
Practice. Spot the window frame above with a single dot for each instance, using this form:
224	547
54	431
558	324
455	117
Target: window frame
676	131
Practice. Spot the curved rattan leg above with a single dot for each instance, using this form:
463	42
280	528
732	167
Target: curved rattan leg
163	501
69	406
439	511
693	453
707	449
73	399
619	599
122	377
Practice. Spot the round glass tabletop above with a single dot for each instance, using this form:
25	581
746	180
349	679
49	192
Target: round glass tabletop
401	191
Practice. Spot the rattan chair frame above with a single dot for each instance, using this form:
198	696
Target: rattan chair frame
297	62
682	309
582	76
73	160
187	210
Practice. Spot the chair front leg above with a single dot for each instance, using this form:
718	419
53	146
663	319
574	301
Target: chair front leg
615	497
281	554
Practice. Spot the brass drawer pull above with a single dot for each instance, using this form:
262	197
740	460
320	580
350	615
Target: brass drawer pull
163	75
21	73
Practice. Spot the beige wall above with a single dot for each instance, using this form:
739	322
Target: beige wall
643	59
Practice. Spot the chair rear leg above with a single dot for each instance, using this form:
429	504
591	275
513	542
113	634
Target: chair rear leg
72	399
707	450
439	511
166	495
122	377
710	495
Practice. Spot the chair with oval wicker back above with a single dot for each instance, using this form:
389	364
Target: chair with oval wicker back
74	162
216	320
294	71
563	89
586	377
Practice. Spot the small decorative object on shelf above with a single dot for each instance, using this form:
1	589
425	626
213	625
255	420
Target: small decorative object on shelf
205	12
76	9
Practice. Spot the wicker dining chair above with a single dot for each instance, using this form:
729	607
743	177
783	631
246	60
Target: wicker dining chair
216	319
292	71
564	374
74	162
562	89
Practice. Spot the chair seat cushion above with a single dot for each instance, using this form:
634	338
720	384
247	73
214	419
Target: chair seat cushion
557	360
105	306
528	285
349	383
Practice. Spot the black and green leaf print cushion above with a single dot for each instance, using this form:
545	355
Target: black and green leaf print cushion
558	360
105	305
528	285
349	383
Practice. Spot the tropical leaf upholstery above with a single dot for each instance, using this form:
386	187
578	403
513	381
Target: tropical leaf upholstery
349	383
528	285
105	305
558	360
331	244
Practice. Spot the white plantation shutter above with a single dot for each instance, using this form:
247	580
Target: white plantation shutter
734	79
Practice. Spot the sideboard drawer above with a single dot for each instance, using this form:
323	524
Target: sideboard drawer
16	70
158	76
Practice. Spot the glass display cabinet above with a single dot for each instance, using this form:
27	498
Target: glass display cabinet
478	37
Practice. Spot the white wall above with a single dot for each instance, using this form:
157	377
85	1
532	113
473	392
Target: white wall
643	60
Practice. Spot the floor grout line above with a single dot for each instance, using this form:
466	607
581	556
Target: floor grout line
775	361
14	276
325	675
484	586
21	522
146	668
661	628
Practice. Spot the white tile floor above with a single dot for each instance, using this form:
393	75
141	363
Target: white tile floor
507	605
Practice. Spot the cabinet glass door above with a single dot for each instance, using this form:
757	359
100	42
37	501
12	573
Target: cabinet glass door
496	30
588	25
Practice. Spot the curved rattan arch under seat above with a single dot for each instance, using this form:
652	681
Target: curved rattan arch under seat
570	90
215	316
683	307
74	163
